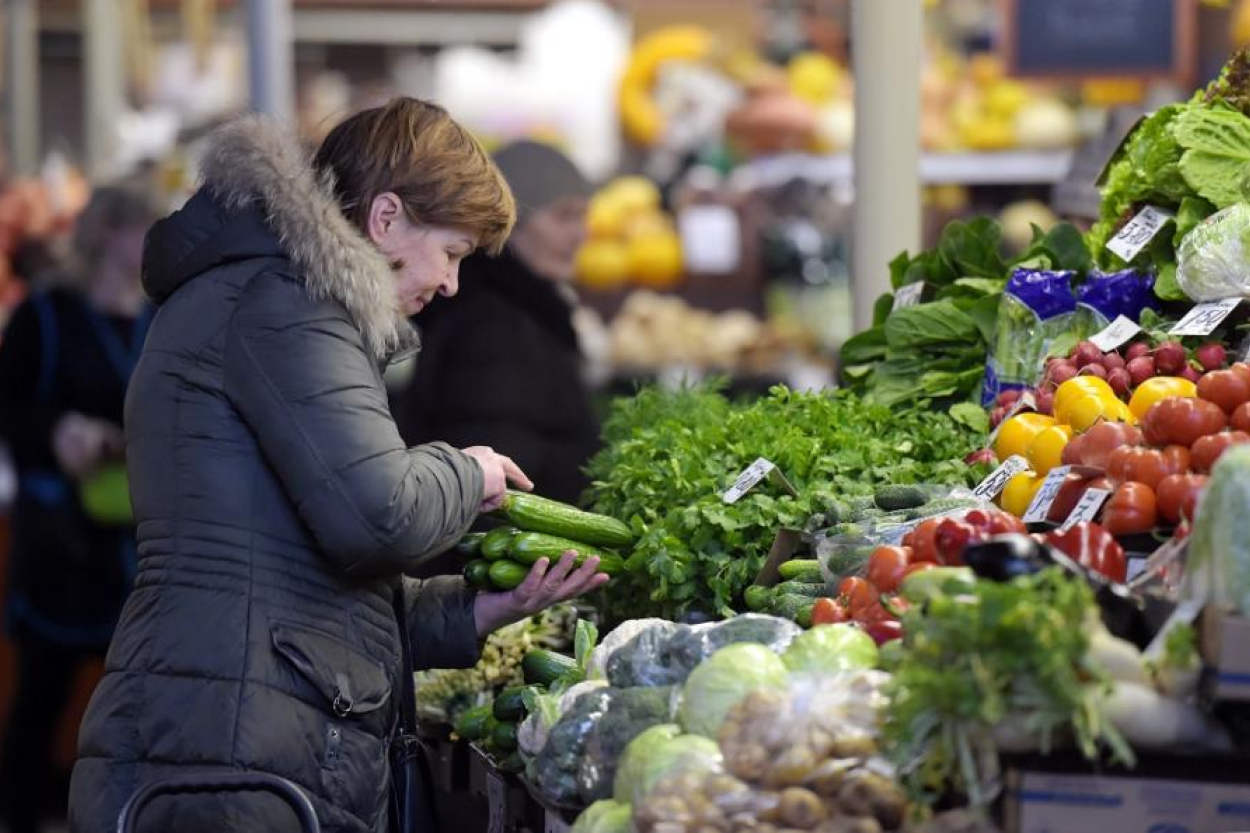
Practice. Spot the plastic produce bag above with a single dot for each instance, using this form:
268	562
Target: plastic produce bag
646	658
728	676
628	713
605	817
1213	261
830	648
657	754
555	770
1113	294
1218	569
1037	307
533	732
702	800
691	647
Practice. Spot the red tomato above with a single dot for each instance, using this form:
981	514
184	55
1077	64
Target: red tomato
1070	491
828	611
1104	438
886	631
1181	420
1225	388
858	593
1002	523
977	519
1240	420
924	546
1074	451
1178	496
1207	450
953	537
919	567
886	566
1092	547
1132	509
1146	465
1242	370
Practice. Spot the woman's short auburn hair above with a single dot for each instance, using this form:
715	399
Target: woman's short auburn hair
414	149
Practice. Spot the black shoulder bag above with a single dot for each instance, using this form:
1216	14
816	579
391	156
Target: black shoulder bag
412	809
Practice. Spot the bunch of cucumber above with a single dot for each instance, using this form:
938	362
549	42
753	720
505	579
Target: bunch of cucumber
794	596
536	527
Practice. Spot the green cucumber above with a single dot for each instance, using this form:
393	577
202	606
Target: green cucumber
800	569
510	703
495	545
757	597
894	498
528	547
472	723
468	545
503	738
791	605
477	574
539	514
811	589
545	667
507	575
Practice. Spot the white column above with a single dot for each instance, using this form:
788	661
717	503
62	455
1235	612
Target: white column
271	57
886	41
21	74
104	83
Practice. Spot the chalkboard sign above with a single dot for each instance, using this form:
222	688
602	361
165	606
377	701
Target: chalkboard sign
1100	38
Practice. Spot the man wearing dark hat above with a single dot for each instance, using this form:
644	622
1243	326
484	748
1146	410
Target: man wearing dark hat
499	363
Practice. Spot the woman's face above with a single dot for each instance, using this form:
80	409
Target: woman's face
426	258
548	240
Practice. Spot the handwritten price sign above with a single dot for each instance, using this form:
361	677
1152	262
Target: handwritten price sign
992	486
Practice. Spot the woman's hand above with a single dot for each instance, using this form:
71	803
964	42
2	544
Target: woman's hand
499	471
541	589
80	443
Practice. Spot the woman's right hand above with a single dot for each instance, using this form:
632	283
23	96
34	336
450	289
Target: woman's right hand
499	471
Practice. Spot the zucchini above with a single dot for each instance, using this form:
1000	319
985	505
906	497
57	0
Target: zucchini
494	545
469	544
757	597
507	575
539	514
510	703
503	737
472	722
800	569
545	667
477	574
528	547
893	498
811	589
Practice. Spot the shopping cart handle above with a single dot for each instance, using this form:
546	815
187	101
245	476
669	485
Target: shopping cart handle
223	782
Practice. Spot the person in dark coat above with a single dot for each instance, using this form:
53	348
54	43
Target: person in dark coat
65	360
500	364
278	508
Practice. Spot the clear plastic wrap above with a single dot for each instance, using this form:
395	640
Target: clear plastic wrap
728	676
628	713
694	645
1038	306
533	732
605	817
659	753
1213	261
554	772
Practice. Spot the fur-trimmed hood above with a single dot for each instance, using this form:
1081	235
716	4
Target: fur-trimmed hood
261	198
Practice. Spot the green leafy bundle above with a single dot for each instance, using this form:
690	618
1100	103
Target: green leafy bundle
934	353
1189	158
669	457
978	665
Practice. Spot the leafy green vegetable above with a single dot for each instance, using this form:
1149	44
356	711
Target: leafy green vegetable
605	817
1217	150
656	754
829	648
982	659
926	324
723	680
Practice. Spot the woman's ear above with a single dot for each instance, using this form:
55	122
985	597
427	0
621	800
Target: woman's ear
384	212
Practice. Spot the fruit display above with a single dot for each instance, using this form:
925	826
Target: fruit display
631	239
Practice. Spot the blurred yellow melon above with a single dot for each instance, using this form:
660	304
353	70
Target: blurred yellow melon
1004	98
988	134
655	260
603	264
814	77
606	217
633	194
986	68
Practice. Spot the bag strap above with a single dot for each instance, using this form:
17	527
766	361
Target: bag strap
407	688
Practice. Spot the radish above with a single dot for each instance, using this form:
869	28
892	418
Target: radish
982	456
1190	372
1008	397
1087	353
1045	401
1140	369
1211	356
1120	380
1170	358
1112	361
1137	349
997	415
1094	370
1061	373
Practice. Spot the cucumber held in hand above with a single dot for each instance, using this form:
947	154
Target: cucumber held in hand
539	514
477	574
468	545
528	547
507	575
494	545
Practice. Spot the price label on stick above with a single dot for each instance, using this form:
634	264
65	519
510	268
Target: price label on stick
1115	334
1139	231
747	481
1086	508
992	486
908	296
1046	495
1204	318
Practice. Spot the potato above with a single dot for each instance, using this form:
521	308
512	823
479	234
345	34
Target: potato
801	808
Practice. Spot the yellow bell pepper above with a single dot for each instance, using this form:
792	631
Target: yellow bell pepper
1019	493
1160	387
1046	450
1017	432
1067	394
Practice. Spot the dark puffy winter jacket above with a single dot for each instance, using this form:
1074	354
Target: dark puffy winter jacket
277	511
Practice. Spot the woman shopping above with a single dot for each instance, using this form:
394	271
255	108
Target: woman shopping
272	627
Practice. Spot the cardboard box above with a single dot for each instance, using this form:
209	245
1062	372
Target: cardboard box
1226	653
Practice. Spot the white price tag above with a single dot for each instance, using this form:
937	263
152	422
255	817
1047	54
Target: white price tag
552	823
711	239
1086	508
1139	231
1204	318
747	481
497	801
1046	494
909	295
1115	334
992	486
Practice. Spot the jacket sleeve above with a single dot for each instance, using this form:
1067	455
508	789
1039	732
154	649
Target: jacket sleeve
441	627
298	373
25	422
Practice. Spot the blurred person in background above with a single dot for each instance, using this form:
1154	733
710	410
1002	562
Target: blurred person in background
500	364
65	360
